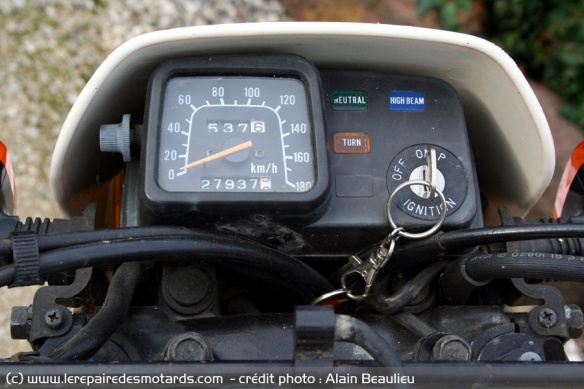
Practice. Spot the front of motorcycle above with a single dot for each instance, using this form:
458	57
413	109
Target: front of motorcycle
299	204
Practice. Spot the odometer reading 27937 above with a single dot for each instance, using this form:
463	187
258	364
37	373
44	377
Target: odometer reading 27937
236	134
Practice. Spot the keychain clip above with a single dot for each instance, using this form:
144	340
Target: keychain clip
368	270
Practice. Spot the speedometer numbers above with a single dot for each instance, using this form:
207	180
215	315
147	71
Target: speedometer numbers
245	131
244	134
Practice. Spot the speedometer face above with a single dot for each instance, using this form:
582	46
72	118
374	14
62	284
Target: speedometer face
235	134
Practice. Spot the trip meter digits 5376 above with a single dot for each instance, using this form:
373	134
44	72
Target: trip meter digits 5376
236	132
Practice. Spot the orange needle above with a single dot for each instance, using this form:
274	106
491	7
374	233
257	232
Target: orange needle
221	154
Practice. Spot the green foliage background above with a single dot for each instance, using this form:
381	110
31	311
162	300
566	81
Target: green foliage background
545	37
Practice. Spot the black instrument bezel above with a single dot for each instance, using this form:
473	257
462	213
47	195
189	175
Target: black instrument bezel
265	65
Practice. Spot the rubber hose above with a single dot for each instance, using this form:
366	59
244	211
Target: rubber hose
472	271
67	239
526	265
411	290
349	329
411	252
57	241
85	343
7	274
288	270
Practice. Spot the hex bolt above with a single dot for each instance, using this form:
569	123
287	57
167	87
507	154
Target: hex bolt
452	348
20	322
547	318
574	320
53	318
189	346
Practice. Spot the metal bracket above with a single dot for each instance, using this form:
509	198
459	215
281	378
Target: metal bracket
554	317
51	319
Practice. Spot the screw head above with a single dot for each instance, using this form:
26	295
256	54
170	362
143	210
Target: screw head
189	346
452	348
547	317
53	318
530	356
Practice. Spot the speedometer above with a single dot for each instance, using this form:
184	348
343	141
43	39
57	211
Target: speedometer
246	134
237	131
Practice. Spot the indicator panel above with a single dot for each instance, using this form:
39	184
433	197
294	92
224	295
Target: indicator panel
375	150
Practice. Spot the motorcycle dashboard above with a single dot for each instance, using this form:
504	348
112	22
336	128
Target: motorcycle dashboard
487	80
272	134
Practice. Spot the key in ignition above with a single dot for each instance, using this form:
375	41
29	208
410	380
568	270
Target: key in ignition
435	165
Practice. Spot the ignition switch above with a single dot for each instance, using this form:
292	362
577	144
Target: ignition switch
411	164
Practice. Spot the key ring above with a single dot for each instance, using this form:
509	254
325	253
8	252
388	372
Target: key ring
338	294
369	269
430	231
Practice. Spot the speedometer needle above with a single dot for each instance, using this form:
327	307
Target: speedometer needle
221	154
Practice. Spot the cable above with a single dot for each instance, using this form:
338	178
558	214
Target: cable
411	290
48	242
349	329
525	265
474	237
289	271
91	337
439	242
57	241
7	275
462	276
416	251
76	247
90	244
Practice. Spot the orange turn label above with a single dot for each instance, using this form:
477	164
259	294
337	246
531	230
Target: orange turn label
351	143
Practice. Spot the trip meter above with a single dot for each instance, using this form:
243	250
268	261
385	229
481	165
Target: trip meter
226	132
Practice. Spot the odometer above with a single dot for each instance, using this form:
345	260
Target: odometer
240	132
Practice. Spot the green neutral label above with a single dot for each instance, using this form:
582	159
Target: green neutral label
349	100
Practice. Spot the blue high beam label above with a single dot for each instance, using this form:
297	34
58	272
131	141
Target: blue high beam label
407	100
